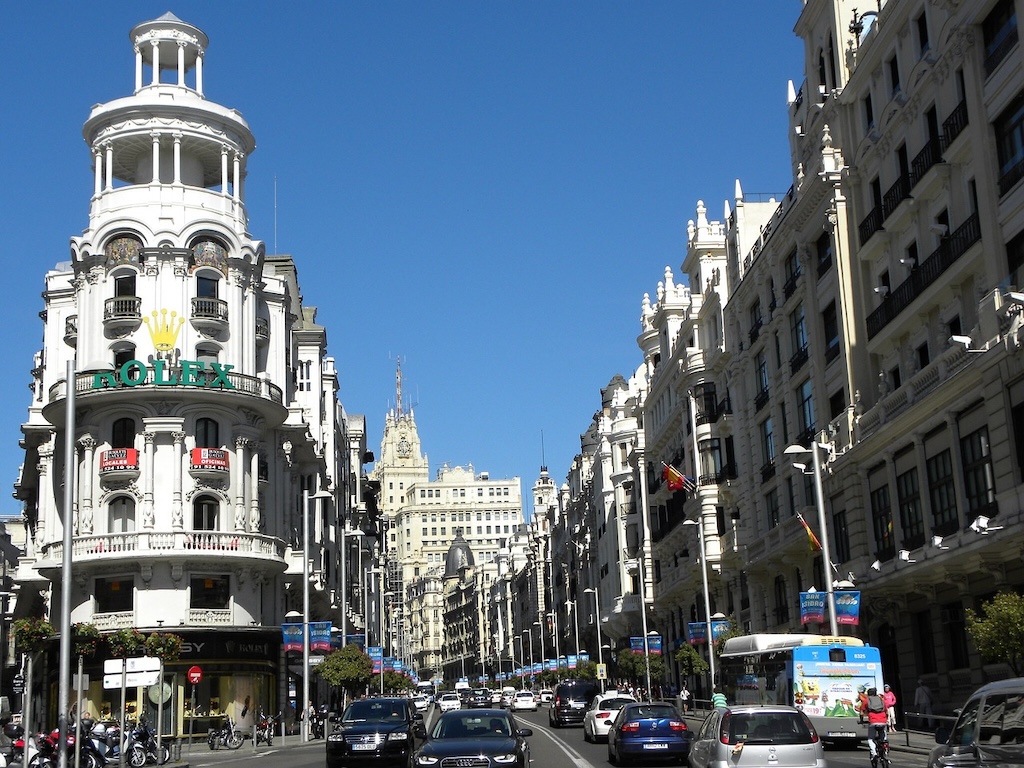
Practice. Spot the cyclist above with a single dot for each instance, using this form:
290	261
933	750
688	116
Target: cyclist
878	730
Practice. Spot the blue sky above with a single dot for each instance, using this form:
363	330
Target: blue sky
484	188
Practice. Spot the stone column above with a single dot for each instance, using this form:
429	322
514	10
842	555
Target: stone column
254	491
87	477
176	512
238	481
156	62
148	515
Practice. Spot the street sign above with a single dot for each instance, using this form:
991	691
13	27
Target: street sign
602	671
131	680
18	684
195	674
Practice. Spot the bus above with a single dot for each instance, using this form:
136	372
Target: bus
819	674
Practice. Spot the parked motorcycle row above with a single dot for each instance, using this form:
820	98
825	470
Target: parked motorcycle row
98	744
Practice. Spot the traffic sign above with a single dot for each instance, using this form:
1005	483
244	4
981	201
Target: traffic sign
131	680
18	684
602	671
195	674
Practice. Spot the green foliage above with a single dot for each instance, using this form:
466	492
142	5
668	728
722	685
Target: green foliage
586	670
691	663
998	632
125	643
633	667
394	682
164	645
31	635
348	668
85	639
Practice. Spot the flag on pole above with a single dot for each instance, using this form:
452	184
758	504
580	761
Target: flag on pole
689	484
673	477
811	538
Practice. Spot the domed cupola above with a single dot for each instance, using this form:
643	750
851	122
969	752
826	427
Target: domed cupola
459	557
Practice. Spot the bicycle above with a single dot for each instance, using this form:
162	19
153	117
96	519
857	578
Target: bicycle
879	735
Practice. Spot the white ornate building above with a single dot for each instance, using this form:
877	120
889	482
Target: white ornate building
205	406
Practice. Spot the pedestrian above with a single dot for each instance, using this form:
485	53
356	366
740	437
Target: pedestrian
718	699
877	723
684	699
889	698
923	704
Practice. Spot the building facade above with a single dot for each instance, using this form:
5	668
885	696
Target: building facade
204	416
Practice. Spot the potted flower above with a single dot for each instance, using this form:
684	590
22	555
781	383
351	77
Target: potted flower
164	645
125	643
86	639
31	635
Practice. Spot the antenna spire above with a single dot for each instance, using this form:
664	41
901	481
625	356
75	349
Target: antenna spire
398	386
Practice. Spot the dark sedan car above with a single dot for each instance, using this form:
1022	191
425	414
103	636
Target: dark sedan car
482	738
373	732
480	698
648	730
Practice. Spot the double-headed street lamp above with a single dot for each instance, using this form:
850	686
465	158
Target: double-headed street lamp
529	636
321	494
707	596
819	494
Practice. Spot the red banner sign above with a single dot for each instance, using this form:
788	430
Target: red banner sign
209	458
119	458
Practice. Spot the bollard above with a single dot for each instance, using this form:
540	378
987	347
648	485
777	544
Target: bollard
176	750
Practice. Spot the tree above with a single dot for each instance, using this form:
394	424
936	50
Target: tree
998	633
348	668
394	682
633	667
691	663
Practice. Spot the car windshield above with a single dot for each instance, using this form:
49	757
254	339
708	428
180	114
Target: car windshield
456	726
374	711
766	728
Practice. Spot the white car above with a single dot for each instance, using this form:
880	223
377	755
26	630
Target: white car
604	708
524	700
546	696
449	702
420	703
496	698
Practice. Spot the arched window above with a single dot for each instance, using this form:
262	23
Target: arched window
207	433
207	355
122	515
122	433
205	510
123	354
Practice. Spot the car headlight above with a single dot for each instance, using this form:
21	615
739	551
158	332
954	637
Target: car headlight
508	757
336	737
398	736
426	760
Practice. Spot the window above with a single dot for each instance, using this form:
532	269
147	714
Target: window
207	287
121	515
798	329
207	433
824	250
124	285
923	357
205	511
894	75
115	595
210	592
830	324
781	601
869	113
921	23
956	635
836	404
840	535
978	479
767	441
122	433
206	355
762	371
122	355
908	495
999	32
1009	130
924	641
881	521
771	508
806	407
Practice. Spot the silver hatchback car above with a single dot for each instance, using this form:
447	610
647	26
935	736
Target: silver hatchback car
742	736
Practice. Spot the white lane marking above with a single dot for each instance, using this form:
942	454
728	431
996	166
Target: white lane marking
577	759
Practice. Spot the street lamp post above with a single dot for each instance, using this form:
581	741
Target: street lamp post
558	653
597	623
819	493
576	627
305	603
529	637
707	597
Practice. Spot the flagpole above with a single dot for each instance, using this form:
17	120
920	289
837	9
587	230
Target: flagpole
703	542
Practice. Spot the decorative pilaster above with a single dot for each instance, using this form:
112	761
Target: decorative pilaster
238	466
148	514
254	491
87	444
176	518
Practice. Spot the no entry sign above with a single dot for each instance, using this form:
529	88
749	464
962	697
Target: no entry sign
195	674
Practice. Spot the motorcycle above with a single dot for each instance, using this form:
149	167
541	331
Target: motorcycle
48	754
226	736
265	725
142	747
317	721
14	743
104	738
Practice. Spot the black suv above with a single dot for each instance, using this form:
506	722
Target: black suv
479	698
373	731
571	701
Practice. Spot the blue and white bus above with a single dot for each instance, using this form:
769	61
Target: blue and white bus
819	674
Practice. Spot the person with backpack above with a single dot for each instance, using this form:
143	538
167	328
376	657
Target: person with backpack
878	726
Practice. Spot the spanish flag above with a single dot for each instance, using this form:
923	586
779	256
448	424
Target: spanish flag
673	477
811	538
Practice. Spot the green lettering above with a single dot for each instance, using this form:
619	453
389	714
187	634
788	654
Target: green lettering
158	375
190	372
222	375
104	379
126	373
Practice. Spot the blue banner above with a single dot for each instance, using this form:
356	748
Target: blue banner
698	631
583	658
572	661
812	607
320	636
291	635
636	644
654	644
376	653
847	606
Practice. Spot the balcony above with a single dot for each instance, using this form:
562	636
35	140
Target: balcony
950	249
122	312
896	194
797	361
954	125
118	465
234	547
262	331
869	225
789	288
761	399
209	314
71	331
755	329
768	471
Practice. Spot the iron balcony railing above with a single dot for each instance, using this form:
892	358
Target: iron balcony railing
954	124
123	307
869	225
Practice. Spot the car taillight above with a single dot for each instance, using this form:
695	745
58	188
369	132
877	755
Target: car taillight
810	728
630	727
723	734
602	715
676	725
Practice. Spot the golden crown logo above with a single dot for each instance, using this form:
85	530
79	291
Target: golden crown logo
162	331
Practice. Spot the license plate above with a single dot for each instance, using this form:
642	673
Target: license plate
363	747
843	734
655	746
577	705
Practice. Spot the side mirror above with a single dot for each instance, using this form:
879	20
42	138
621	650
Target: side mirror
418	716
418	730
942	734
525	732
